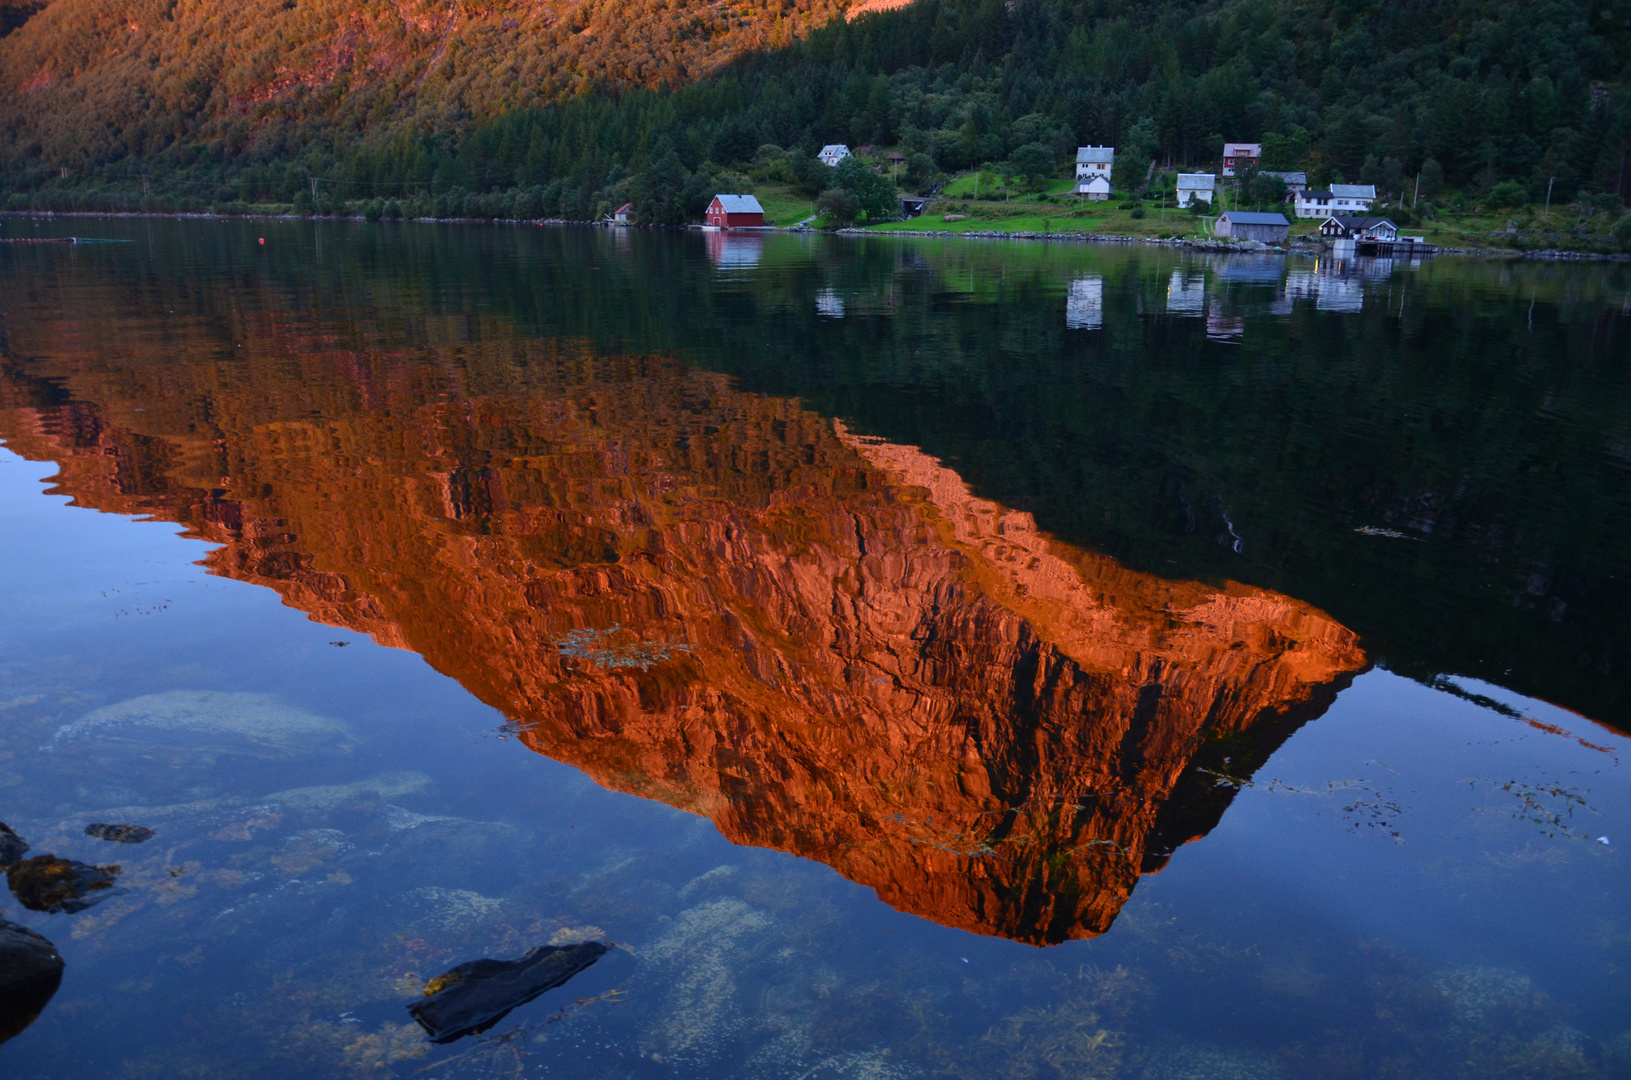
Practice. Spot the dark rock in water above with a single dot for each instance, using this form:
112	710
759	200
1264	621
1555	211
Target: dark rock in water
123	834
473	997
30	971
12	846
47	883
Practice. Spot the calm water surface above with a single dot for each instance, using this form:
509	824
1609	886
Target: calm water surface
919	659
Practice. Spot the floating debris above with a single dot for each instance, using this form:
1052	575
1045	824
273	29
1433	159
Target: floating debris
120	834
474	996
12	846
30	971
1549	807
47	883
603	649
1603	840
1391	534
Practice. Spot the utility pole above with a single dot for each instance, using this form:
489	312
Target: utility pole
1416	198
145	180
1549	184
314	189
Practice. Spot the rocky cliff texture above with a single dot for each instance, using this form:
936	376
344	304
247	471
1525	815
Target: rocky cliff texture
825	644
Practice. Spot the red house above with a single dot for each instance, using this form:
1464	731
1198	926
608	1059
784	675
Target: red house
736	212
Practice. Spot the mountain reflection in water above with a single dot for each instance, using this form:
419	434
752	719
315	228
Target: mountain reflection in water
823	643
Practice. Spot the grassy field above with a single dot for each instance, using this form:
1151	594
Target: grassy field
1053	210
783	206
1061	216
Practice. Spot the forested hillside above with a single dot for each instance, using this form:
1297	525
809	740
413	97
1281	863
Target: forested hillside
562	109
86	82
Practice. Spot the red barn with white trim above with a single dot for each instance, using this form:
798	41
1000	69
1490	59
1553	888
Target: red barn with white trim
736	212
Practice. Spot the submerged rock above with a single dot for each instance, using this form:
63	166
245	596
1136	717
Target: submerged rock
120	834
12	846
472	997
47	883
258	720
30	971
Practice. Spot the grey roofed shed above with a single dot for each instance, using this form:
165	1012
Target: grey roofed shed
1252	225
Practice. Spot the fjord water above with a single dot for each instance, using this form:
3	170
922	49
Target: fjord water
919	658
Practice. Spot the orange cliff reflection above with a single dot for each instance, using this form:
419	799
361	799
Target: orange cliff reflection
823	643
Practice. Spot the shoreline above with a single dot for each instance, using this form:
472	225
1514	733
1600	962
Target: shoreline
1215	247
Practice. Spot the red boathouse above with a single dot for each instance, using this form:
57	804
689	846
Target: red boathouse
736	212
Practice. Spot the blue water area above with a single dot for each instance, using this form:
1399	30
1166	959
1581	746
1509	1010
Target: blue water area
912	659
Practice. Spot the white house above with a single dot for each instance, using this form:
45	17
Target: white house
1094	161
1193	186
832	154
1238	157
1096	187
1312	203
1340	199
1352	198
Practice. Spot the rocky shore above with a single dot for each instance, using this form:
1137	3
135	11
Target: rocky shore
1215	246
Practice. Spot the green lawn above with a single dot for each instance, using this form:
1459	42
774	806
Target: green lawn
1103	218
965	186
783	206
1018	223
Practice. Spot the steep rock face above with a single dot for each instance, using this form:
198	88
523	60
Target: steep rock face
825	644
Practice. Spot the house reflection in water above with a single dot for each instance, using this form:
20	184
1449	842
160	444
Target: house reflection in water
822	642
1222	326
1186	294
1084	304
734	250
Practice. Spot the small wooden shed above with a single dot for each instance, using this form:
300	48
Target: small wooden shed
1250	225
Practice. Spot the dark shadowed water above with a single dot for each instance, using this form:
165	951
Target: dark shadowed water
914	659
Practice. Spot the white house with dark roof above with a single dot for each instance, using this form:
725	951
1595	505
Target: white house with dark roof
1379	230
1238	157
1339	199
1192	186
832	154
